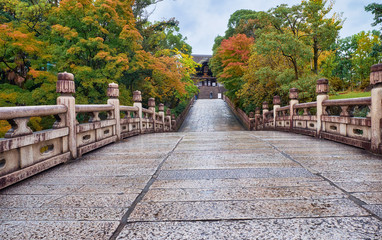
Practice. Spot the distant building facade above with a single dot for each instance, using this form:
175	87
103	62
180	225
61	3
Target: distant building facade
208	86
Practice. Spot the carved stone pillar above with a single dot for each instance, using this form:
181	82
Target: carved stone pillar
66	88
257	118
137	98
293	96
113	94
161	114
151	104
376	107
276	105
168	118
322	90
265	110
251	117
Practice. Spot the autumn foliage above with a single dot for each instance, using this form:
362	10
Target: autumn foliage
231	61
99	42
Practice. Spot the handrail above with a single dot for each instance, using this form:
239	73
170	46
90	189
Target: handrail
305	105
7	113
128	109
144	110
350	101
283	108
26	151
93	108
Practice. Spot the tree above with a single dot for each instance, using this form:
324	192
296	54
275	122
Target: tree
97	39
163	35
322	31
233	54
364	58
376	9
285	35
24	53
140	11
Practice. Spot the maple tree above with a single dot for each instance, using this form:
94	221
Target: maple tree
99	41
321	30
231	60
286	40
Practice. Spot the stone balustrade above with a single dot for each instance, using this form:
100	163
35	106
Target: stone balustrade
245	120
355	122
303	120
24	153
283	118
344	125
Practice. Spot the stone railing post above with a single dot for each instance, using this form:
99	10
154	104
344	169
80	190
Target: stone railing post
173	122
161	114
265	110
293	96
276	105
257	118
322	90
152	109
252	120
168	118
65	87
137	98
376	107
113	94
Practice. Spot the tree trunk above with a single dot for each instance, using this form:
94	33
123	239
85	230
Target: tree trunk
295	68
315	55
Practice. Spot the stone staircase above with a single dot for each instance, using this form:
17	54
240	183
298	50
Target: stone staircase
206	90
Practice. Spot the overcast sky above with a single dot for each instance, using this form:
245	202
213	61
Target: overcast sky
202	20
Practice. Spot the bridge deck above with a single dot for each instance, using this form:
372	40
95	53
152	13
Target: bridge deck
203	185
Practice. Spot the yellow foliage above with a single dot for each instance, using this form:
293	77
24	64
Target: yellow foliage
4	127
35	123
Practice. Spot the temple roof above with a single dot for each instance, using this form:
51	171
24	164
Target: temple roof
200	58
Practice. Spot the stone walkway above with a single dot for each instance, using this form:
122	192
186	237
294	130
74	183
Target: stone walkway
203	185
210	115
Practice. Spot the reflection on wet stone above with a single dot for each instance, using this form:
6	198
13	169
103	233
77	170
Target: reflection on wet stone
216	181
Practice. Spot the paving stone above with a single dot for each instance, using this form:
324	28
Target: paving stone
234	173
339	176
345	165
124	180
227	165
244	182
370	197
62	214
217	194
219	183
376	209
26	201
311	228
210	115
360	186
57	230
94	200
265	209
27	189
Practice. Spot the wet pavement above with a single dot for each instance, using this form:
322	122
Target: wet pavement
203	184
210	115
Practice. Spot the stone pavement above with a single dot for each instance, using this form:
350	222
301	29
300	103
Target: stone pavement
203	185
210	115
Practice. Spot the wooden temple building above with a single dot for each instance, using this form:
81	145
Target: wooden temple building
208	86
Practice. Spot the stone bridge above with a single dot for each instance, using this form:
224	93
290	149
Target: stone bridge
212	179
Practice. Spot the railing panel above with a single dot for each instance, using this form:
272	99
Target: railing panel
342	124
303	122
23	152
96	133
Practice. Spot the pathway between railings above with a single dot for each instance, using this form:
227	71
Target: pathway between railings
203	183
